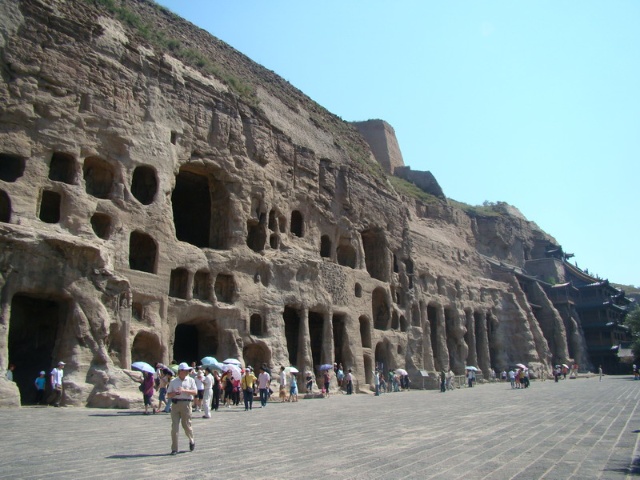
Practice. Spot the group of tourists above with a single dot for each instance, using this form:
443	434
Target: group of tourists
203	389
40	384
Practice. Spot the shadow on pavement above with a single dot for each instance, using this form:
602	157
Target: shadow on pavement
141	455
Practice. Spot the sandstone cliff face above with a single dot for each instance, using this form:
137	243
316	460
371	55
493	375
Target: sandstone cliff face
149	213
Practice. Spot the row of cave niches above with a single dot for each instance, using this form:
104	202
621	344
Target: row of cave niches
201	208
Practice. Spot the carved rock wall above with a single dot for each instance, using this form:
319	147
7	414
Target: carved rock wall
151	214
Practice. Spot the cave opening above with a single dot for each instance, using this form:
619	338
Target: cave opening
256	325
325	246
142	252
380	309
202	285
342	353
316	337
144	184
365	331
5	207
50	207
191	204
178	283
346	254
195	339
256	235
297	224
292	333
375	253
146	348
101	225
225	288
62	168
98	177
34	326
11	167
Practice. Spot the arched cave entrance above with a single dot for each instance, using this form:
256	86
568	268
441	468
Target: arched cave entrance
202	285
325	246
146	347
11	167
358	290
101	224
142	252
316	337
256	325
195	339
297	224
34	326
255	355
191	205
341	348
144	184
292	332
256	235
50	207
201	210
395	324
62	168
365	331
225	288
5	207
382	357
376	256
346	254
178	283
380	309
98	177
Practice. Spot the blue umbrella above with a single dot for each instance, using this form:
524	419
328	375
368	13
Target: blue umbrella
326	366
143	367
209	361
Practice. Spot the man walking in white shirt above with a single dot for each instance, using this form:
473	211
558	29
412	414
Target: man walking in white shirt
181	391
56	384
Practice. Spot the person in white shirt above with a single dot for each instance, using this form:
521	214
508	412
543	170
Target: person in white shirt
56	384
197	401
349	380
181	391
207	382
264	379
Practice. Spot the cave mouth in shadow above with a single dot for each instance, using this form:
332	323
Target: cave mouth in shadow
33	331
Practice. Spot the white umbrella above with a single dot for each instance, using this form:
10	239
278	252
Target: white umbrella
401	371
233	361
519	365
289	370
471	368
234	369
565	365
143	367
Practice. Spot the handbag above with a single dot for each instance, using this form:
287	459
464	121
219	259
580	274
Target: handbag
141	388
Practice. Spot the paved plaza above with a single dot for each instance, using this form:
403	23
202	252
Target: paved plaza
579	429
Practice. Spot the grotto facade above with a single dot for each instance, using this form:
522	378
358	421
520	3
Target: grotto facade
149	211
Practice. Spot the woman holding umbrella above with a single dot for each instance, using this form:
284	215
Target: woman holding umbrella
147	389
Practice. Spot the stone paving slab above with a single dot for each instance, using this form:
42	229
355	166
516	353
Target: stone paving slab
574	429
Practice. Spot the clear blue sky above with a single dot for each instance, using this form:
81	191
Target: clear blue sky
536	103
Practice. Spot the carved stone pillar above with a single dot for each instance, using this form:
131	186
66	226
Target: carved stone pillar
472	357
442	351
427	350
484	358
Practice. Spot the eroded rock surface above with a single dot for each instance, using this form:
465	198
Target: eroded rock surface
148	212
